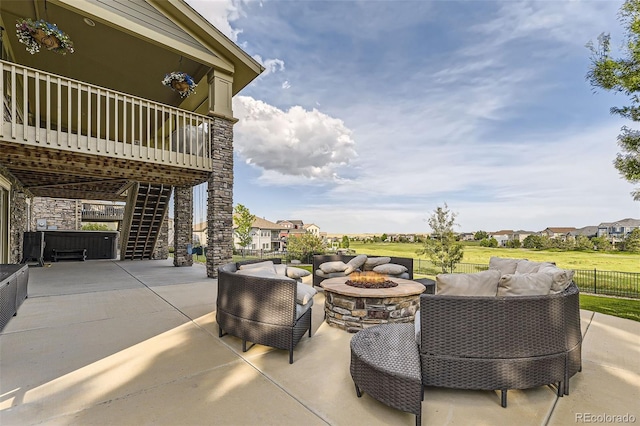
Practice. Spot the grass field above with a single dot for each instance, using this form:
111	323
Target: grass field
617	261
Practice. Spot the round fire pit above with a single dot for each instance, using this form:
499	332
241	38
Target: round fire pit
353	308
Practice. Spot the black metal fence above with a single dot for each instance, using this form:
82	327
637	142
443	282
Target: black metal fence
609	283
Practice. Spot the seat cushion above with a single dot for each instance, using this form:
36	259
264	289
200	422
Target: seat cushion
561	278
483	283
330	275
302	309
266	265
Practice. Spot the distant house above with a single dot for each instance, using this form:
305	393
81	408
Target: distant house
587	231
557	232
617	231
520	235
312	228
467	236
265	235
502	236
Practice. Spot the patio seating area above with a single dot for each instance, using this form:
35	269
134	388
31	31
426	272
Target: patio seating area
136	342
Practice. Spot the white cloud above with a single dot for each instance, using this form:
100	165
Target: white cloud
291	144
221	13
286	84
271	65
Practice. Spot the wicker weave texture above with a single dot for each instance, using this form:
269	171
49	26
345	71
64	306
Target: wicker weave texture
259	310
386	365
499	343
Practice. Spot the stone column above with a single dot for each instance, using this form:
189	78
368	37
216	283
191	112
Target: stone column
18	217
182	225
220	197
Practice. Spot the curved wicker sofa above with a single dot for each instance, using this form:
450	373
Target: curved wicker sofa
260	310
500	343
320	259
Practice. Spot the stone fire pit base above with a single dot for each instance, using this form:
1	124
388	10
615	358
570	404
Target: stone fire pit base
354	309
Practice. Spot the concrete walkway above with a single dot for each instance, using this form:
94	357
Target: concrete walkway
129	343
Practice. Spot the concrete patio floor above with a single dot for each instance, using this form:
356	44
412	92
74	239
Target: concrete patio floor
136	342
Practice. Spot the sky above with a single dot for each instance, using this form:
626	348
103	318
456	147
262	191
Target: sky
371	114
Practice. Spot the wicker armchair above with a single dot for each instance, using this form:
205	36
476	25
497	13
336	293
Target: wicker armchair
500	343
260	310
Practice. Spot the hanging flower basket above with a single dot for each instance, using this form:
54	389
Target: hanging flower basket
180	82
35	34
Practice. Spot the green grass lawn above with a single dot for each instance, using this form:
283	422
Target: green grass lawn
612	261
623	308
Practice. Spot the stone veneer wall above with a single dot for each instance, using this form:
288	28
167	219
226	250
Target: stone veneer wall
182	225
220	198
356	313
162	245
62	213
18	216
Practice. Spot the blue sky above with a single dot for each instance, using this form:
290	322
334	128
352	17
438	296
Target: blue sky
371	114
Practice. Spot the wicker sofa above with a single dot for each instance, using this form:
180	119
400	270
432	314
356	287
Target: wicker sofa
475	342
320	259
261	310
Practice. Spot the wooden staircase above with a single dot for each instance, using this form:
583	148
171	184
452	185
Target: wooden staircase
147	206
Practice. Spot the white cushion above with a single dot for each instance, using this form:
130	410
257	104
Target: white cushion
305	293
355	263
329	267
416	325
483	283
372	262
296	273
534	284
561	277
301	309
390	269
503	264
266	265
527	267
280	269
331	275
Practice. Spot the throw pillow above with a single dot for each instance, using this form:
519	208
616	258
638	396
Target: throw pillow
266	265
503	264
561	277
483	283
372	262
355	263
281	269
527	267
329	267
390	269
296	273
534	284
305	293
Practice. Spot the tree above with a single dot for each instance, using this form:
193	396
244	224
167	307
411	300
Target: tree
515	243
345	242
304	246
442	248
95	227
244	222
632	241
601	243
480	235
489	242
384	237
622	75
583	243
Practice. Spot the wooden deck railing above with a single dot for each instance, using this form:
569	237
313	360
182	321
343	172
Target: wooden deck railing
48	110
